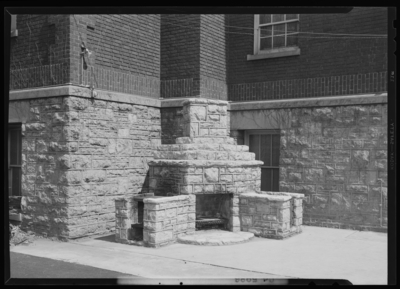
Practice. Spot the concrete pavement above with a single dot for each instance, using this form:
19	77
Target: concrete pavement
360	257
32	267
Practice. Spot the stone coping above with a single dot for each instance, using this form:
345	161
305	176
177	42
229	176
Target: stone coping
204	146
294	195
204	163
294	102
203	101
310	102
205	140
82	91
166	199
269	197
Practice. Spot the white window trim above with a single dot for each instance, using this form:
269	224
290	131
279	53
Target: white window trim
273	53
14	30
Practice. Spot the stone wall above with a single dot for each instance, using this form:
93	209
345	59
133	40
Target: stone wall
337	157
270	214
78	155
166	219
182	177
43	182
126	214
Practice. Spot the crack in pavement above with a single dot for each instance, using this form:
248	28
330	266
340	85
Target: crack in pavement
185	260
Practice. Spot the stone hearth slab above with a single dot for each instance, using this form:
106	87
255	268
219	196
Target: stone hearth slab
215	238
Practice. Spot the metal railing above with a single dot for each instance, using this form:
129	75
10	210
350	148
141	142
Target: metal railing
45	75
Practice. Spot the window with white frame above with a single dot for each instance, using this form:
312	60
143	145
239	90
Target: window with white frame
276	33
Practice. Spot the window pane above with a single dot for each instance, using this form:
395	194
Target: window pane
266	149
275	150
279	41
254	145
265	18
275	180
292	27
266	43
279	30
266	31
277	17
291	16
16	181
15	147
292	40
266	180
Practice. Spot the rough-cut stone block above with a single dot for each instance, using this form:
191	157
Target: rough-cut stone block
197	113
211	175
246	220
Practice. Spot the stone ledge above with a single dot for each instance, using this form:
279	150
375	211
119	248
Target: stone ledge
310	102
204	163
166	199
15	216
205	140
294	195
203	146
178	102
205	155
269	197
203	101
81	91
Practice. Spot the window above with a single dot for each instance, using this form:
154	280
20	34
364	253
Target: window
266	145
275	35
14	159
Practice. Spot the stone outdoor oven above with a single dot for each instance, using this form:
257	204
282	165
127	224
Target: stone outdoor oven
205	181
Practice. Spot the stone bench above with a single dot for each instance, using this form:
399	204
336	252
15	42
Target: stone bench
275	215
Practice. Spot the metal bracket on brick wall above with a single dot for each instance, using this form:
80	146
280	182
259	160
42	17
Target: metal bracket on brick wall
84	66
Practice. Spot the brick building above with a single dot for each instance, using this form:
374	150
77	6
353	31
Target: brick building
93	96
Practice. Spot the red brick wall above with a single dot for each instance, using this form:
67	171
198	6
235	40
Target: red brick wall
180	50
193	58
323	57
126	43
42	41
212	47
180	55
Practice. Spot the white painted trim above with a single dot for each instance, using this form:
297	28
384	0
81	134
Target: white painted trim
81	91
273	53
310	102
256	34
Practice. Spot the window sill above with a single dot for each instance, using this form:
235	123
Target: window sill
290	51
15	216
14	33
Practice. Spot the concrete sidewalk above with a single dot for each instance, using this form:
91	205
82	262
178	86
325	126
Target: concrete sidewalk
360	257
